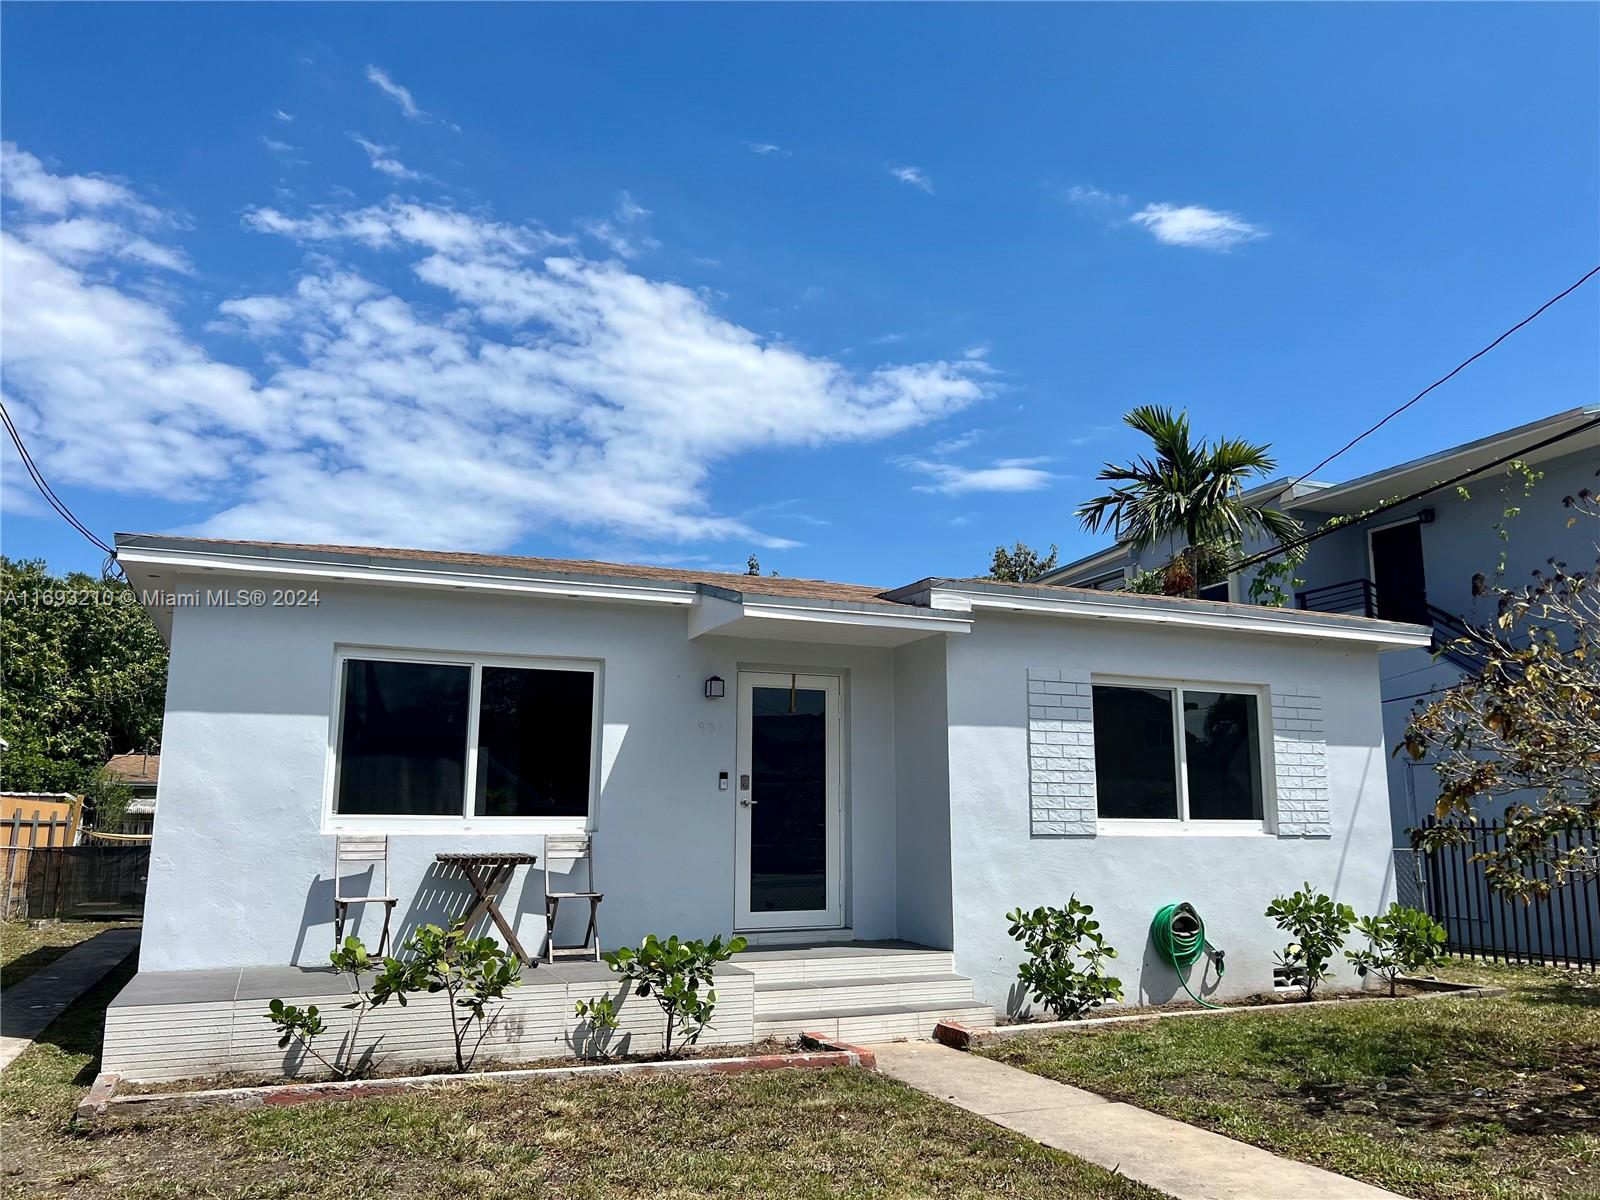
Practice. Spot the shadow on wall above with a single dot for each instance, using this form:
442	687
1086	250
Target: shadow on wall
442	899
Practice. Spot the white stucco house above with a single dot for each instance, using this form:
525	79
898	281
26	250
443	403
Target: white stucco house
885	774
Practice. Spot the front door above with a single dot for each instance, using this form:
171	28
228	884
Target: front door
788	797
1397	576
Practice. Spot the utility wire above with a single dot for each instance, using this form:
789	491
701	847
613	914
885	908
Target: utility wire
45	490
1456	370
1324	531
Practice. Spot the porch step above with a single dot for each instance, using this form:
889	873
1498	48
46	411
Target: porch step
861	991
852	992
875	1022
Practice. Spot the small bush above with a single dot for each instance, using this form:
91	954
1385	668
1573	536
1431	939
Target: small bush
1065	952
1400	942
305	1025
679	975
1318	926
599	1017
472	972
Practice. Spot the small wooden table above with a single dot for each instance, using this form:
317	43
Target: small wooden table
488	873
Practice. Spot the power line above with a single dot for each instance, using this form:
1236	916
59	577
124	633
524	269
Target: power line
1456	370
45	490
1325	530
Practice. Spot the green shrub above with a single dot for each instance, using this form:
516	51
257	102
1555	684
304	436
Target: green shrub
305	1025
1318	926
679	975
1065	952
599	1017
1400	942
471	972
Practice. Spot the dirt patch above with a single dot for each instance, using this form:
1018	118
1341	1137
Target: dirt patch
410	1070
1273	999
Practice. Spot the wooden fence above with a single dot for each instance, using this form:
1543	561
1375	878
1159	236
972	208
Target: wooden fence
47	876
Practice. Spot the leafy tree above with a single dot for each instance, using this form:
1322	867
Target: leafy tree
84	677
1020	563
1318	926
752	565
1400	942
1066	952
1525	726
1189	490
679	975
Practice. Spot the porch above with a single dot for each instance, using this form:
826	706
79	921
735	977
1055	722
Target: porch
169	1025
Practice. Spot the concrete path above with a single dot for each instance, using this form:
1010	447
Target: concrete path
27	1009
1181	1160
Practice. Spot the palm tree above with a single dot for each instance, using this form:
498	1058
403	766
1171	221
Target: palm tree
1191	489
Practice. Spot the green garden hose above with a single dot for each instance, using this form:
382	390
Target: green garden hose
1180	938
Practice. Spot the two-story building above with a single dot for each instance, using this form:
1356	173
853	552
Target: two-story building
1415	561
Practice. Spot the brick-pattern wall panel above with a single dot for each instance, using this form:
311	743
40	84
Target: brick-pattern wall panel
1300	759
1060	754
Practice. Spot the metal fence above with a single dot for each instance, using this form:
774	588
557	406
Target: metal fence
105	882
1557	930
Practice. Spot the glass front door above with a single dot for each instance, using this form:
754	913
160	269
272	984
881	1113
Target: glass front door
788	801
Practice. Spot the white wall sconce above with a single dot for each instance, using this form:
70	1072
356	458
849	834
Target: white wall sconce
714	688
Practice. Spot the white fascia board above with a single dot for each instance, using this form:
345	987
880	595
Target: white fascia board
1387	637
712	613
857	617
315	572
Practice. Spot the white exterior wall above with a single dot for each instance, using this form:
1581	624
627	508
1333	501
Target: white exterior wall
241	868
1001	858
922	783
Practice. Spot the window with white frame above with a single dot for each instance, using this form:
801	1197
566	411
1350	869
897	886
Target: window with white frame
1178	752
429	737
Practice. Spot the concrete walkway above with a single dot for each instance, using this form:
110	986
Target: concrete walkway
1181	1160
27	1009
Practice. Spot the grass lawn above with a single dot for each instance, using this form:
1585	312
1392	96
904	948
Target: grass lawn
784	1134
25	949
1439	1098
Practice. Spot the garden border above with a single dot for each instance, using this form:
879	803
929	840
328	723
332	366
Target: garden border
959	1037
102	1102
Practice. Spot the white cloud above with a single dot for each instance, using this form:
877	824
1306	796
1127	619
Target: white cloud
281	115
915	176
1086	195
516	388
1002	475
1196	227
27	182
382	159
765	148
401	95
622	232
278	147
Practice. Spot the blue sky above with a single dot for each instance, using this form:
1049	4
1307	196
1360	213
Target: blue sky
863	290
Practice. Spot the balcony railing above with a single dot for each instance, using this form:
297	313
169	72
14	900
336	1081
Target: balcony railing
1357	596
1360	597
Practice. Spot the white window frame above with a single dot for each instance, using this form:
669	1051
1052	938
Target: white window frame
467	822
1182	824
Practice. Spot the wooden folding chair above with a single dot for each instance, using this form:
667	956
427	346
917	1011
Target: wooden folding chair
368	850
573	848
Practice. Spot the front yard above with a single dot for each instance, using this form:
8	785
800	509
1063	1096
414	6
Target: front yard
1495	1098
782	1134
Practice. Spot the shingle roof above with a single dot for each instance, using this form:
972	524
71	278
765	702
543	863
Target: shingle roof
758	585
134	768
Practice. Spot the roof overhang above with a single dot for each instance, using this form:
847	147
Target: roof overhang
1359	495
974	596
819	621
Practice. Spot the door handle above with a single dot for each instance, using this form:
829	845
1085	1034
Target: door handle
746	801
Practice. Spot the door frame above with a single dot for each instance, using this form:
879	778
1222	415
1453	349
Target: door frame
1372	559
832	915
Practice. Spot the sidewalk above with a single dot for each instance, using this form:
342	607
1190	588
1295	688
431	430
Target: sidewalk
1184	1161
27	1009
